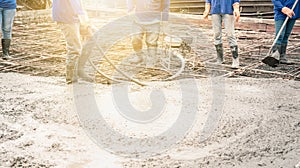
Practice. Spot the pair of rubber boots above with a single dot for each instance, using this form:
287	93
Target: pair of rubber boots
280	51
5	48
235	55
151	59
75	71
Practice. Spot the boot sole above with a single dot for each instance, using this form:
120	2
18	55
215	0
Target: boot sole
6	58
71	81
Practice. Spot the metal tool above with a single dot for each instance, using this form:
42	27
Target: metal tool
269	60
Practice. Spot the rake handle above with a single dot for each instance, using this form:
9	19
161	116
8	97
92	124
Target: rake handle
281	29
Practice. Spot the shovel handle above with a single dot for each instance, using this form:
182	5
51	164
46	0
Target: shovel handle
281	29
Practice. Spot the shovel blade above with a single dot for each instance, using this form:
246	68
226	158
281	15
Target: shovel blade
271	61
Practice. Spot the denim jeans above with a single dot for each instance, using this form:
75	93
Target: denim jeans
228	20
73	41
286	32
6	22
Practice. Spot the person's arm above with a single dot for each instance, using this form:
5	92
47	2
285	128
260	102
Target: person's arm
236	10
277	5
280	7
207	9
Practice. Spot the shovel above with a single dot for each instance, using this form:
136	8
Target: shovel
269	60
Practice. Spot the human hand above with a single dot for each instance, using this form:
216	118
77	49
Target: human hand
287	11
206	11
236	11
205	14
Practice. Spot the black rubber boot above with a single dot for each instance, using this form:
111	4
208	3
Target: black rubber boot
234	51
220	55
138	57
5	48
277	47
71	73
81	63
235	57
152	58
276	51
82	75
282	58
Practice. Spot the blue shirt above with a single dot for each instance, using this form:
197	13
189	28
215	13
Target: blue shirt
279	4
66	11
149	11
221	6
8	4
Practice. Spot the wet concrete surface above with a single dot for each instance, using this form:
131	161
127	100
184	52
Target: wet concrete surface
259	125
